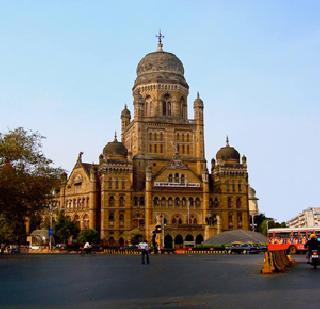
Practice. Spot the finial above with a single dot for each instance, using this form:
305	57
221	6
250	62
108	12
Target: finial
125	106
198	95
80	156
160	37
115	136
227	142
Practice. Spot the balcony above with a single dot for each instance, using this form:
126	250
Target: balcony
176	185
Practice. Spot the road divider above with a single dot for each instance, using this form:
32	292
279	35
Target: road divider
276	261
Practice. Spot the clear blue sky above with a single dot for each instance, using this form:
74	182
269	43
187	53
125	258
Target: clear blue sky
67	69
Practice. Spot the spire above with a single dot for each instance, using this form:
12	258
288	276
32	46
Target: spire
115	136
198	95
160	45
227	142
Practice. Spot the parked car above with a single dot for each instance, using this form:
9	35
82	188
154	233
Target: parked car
243	248
13	249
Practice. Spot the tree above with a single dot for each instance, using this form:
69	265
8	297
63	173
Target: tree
26	178
90	235
63	229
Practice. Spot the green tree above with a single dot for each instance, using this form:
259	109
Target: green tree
92	236
63	229
26	178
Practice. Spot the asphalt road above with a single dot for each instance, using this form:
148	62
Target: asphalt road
170	281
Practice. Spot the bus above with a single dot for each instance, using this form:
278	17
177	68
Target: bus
290	239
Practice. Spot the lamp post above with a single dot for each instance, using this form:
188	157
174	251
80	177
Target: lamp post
50	229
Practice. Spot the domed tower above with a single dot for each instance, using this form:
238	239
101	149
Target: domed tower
230	181
160	126
116	183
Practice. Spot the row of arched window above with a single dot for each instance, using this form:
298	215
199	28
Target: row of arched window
81	223
238	221
183	137
156	148
78	203
112	201
154	136
166	106
183	149
177	202
116	183
177	178
232	187
111	218
238	202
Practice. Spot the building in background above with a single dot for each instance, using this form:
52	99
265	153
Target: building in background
309	217
157	175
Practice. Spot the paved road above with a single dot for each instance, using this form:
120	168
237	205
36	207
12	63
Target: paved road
176	281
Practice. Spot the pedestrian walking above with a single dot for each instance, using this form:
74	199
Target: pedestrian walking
144	248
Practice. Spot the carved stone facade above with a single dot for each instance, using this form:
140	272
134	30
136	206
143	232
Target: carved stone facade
157	174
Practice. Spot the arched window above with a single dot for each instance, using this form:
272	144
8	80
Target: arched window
170	178
117	183
184	202
183	149
182	108
197	202
187	137
155	136
161	148
121	201
155	201
178	136
174	220
163	201
110	183
111	218
182	179
150	136
191	201
150	148
166	105
121	219
85	221
135	201
239	187
210	203
111	201
141	201
161	136
155	148
76	220
188	149
170	202
148	111
123	184
229	202
176	178
177	202
182	137
238	203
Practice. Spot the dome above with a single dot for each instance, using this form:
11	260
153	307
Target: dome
125	112
115	149
228	153
160	67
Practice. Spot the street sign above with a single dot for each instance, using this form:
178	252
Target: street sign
50	232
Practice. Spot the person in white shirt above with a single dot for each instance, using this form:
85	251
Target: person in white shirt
87	247
144	248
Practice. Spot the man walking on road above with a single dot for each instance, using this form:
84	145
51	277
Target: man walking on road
143	246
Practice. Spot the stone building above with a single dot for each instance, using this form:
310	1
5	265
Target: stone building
157	174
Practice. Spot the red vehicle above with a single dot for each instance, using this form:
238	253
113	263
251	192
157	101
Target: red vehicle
290	239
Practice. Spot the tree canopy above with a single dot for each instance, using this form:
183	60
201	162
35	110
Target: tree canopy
27	178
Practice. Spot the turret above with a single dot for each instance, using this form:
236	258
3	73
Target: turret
198	109
125	121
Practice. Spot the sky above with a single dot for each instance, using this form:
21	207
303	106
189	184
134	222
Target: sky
67	68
